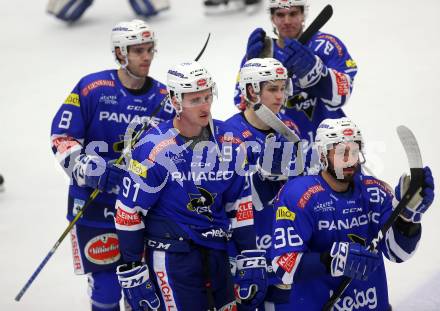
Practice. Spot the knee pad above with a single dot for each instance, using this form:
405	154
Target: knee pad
68	10
148	8
104	291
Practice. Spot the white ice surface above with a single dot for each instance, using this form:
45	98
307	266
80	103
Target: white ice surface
396	46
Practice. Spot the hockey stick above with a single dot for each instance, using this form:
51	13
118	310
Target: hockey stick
317	24
412	151
95	193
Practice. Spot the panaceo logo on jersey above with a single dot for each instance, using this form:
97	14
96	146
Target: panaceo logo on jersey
126	118
360	300
283	213
103	249
348	223
202	176
137	168
72	99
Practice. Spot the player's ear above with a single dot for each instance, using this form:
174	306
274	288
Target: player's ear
250	92
119	55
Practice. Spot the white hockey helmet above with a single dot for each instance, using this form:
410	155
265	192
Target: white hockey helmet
189	77
285	4
259	70
334	131
125	34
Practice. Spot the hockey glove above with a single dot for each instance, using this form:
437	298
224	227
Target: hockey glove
353	260
303	63
251	278
421	201
68	10
149	8
138	289
271	164
255	43
94	172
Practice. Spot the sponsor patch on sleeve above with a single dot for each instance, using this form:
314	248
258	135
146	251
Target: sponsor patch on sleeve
308	194
283	213
342	83
137	168
72	99
287	261
245	211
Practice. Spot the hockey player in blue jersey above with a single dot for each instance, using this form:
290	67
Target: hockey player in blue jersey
323	70
72	10
324	222
264	81
87	133
184	196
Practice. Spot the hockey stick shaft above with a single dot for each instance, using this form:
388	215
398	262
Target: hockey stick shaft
317	24
94	194
415	186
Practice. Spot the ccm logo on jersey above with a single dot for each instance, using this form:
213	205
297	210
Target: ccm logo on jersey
308	194
103	249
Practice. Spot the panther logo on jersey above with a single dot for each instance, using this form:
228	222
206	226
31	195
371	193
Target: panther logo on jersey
201	202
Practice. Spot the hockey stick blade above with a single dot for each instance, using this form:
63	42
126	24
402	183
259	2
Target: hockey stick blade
203	48
317	24
270	119
412	151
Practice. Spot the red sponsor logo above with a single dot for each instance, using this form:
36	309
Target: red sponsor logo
308	194
125	218
103	249
348	132
159	147
279	70
246	133
245	211
167	292
229	139
91	86
201	82
163	91
287	261
146	34
342	83
292	125
334	42
77	264
64	143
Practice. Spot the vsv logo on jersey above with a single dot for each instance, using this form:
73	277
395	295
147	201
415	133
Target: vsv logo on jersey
360	299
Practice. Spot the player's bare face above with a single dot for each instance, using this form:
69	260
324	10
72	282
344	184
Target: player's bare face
197	107
343	161
139	58
272	94
289	22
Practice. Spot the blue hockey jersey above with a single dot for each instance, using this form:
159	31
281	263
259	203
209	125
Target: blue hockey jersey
93	120
174	193
308	107
310	216
263	190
